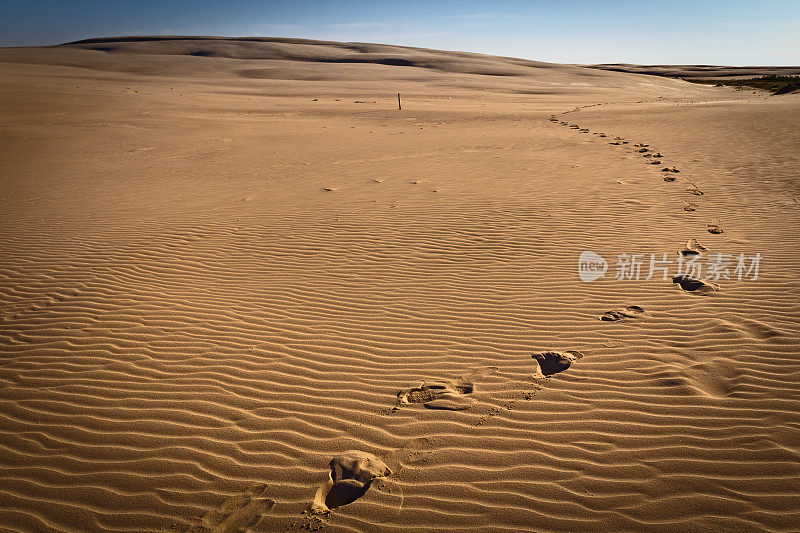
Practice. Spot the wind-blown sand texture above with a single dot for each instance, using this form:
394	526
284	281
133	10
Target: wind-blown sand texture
221	260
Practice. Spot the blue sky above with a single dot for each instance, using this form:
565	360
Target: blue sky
730	32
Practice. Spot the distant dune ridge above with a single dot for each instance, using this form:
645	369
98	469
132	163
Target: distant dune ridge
698	71
337	52
240	290
266	48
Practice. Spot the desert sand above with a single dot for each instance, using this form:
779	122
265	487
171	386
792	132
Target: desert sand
242	291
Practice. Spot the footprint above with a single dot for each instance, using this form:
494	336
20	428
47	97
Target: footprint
689	207
328	189
673	170
654	163
692	248
695	285
448	395
713	228
414	452
238	513
405	462
629	312
692	189
669	178
550	363
350	476
615	143
352	473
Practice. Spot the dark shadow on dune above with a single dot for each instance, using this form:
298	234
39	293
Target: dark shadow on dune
788	89
397	62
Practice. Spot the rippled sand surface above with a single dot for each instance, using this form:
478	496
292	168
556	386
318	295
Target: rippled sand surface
238	286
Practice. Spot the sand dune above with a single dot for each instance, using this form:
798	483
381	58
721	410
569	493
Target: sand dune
223	272
699	71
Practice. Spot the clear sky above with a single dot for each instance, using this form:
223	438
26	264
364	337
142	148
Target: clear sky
722	32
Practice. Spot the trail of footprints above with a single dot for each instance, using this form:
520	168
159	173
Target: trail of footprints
352	473
654	157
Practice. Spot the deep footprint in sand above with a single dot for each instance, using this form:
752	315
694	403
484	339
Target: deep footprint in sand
694	285
550	363
714	229
692	248
238	513
444	394
351	475
632	311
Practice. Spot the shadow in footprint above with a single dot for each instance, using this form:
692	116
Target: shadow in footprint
692	248
449	395
632	311
554	362
350	476
694	285
354	472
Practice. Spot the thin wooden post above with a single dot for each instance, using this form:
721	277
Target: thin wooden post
399	107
